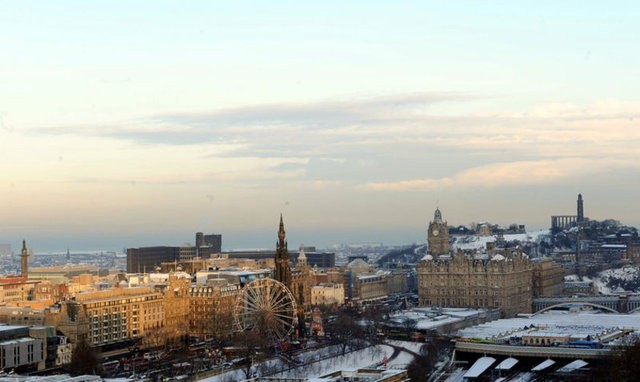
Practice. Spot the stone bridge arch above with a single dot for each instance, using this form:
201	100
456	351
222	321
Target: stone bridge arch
569	303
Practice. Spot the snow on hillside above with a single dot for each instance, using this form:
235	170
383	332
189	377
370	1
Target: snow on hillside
469	242
622	279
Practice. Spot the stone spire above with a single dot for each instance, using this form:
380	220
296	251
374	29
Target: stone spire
24	257
437	216
281	233
282	270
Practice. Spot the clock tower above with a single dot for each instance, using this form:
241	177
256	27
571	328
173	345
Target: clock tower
438	235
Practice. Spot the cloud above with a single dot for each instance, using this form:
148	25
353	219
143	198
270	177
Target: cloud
234	125
383	143
289	166
328	114
509	174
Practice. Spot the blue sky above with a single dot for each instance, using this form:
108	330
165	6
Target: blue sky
135	123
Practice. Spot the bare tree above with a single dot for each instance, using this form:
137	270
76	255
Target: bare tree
622	365
251	342
221	325
345	330
425	362
375	315
409	325
84	360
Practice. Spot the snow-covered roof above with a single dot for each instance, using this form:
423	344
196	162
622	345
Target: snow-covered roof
577	325
479	367
572	366
543	365
507	364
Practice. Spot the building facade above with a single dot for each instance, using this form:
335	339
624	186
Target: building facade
327	294
503	282
16	289
301	281
110	316
145	259
211	309
548	278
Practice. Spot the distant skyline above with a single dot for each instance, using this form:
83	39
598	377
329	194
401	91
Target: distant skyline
126	124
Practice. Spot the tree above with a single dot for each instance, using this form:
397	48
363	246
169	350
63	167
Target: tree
623	365
84	360
251	341
221	324
344	330
375	315
425	362
409	325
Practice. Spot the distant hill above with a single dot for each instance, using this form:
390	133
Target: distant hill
411	254
594	230
535	243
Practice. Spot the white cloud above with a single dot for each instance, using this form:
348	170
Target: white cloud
509	174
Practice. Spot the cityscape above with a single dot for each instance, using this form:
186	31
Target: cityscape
328	191
471	303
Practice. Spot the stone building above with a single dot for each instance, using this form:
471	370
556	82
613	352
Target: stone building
301	281
398	281
327	294
367	288
211	309
633	253
503	282
548	278
110	316
176	310
15	289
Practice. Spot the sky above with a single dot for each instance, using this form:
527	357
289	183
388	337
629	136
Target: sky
133	123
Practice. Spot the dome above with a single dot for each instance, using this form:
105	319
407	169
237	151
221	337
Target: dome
358	263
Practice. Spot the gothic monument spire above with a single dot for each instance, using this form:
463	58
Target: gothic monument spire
282	271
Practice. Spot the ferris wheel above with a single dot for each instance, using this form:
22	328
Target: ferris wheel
267	307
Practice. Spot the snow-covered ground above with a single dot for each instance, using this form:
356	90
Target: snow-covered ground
612	281
480	242
313	364
622	279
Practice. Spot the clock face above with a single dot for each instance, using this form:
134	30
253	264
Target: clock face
435	232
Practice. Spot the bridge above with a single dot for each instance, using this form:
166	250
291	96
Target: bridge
614	304
530	351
